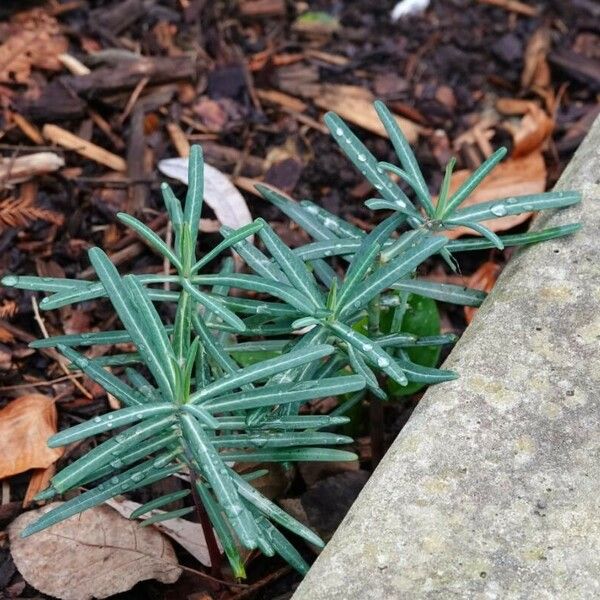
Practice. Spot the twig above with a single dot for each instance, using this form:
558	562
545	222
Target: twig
44	383
55	355
251	589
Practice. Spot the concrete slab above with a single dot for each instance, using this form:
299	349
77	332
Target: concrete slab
492	490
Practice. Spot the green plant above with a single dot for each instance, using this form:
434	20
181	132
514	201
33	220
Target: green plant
226	381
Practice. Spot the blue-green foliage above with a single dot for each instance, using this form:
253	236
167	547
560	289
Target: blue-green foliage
226	381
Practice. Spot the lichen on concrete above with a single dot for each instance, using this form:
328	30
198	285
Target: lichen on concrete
492	490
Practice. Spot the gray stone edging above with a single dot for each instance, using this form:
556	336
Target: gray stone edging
492	490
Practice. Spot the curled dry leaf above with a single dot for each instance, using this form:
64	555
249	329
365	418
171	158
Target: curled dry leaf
513	177
32	39
534	128
219	193
120	553
25	425
483	279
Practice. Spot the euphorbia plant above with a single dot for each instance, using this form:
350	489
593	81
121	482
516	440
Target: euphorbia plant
192	408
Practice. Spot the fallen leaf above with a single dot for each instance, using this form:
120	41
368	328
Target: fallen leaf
120	553
186	533
219	193
40	480
534	128
355	104
513	177
33	39
25	425
483	279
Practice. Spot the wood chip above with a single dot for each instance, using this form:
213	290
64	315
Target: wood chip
29	129
178	139
262	8
68	140
513	6
285	100
22	168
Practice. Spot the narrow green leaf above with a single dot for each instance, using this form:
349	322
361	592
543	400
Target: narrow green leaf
222	529
151	238
272	511
444	292
284	393
128	301
175	211
108	452
376	355
293	267
290	455
173	514
43	284
392	272
518	239
129	480
106	422
336	225
280	440
513	206
262	370
479	228
406	156
195	192
215	472
297	213
214	306
284	422
467	188
113	385
238	235
281	546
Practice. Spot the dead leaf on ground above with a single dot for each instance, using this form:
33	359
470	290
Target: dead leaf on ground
119	552
25	425
355	104
33	39
483	279
534	128
186	533
219	193
513	177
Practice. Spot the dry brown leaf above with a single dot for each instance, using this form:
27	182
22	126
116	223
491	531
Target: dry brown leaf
25	425
513	177
186	533
355	104
33	40
483	279
118	550
534	128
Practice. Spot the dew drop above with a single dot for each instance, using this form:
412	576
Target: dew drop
97	419
382	362
328	253
116	464
511	201
109	417
401	203
367	347
499	210
378	186
137	476
361	157
114	480
339	131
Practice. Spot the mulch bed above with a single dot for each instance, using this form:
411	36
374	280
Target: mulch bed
250	81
